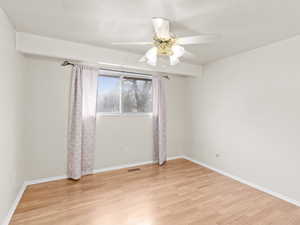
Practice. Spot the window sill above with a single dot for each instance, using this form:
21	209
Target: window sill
124	114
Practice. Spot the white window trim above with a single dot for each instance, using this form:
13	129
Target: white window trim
121	113
137	114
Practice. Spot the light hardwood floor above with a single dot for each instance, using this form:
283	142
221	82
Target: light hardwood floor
180	193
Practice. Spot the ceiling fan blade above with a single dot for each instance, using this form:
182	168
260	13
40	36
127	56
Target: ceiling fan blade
161	27
133	43
189	55
200	39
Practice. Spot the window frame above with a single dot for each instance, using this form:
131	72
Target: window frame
121	113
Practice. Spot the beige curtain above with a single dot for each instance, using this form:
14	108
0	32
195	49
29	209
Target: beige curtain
82	121
159	120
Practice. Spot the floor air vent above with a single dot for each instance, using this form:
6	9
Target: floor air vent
134	169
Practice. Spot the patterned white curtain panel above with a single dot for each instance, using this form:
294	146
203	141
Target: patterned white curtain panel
159	119
82	121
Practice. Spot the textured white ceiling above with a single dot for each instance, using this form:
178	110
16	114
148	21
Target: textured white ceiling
241	24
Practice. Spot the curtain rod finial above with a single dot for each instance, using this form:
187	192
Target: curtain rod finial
67	63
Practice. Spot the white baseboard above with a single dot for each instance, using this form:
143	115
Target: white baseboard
258	187
42	180
14	205
131	165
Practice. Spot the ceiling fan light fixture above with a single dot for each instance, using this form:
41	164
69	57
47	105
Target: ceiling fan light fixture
174	60
143	59
150	56
152	62
178	50
151	52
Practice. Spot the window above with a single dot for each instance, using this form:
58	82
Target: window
124	94
108	100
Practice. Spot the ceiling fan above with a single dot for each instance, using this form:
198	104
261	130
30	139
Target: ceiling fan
167	44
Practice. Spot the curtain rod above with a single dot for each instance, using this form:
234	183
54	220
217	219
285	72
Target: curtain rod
67	63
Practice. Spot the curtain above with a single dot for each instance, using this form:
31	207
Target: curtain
159	120
82	121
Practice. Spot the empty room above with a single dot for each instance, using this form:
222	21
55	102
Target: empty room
159	112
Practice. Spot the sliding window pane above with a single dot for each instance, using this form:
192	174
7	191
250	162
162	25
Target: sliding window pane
108	100
136	95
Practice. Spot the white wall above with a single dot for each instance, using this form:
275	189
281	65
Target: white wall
120	140
246	108
11	176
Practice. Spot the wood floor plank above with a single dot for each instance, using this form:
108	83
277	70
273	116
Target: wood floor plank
180	193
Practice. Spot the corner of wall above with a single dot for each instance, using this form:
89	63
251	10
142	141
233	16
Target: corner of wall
11	70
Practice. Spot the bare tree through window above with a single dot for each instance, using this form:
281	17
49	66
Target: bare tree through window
135	94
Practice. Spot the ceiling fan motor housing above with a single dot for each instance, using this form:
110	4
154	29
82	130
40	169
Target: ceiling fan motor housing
164	45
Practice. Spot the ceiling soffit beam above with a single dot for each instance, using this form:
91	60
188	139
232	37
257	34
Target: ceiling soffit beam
50	47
